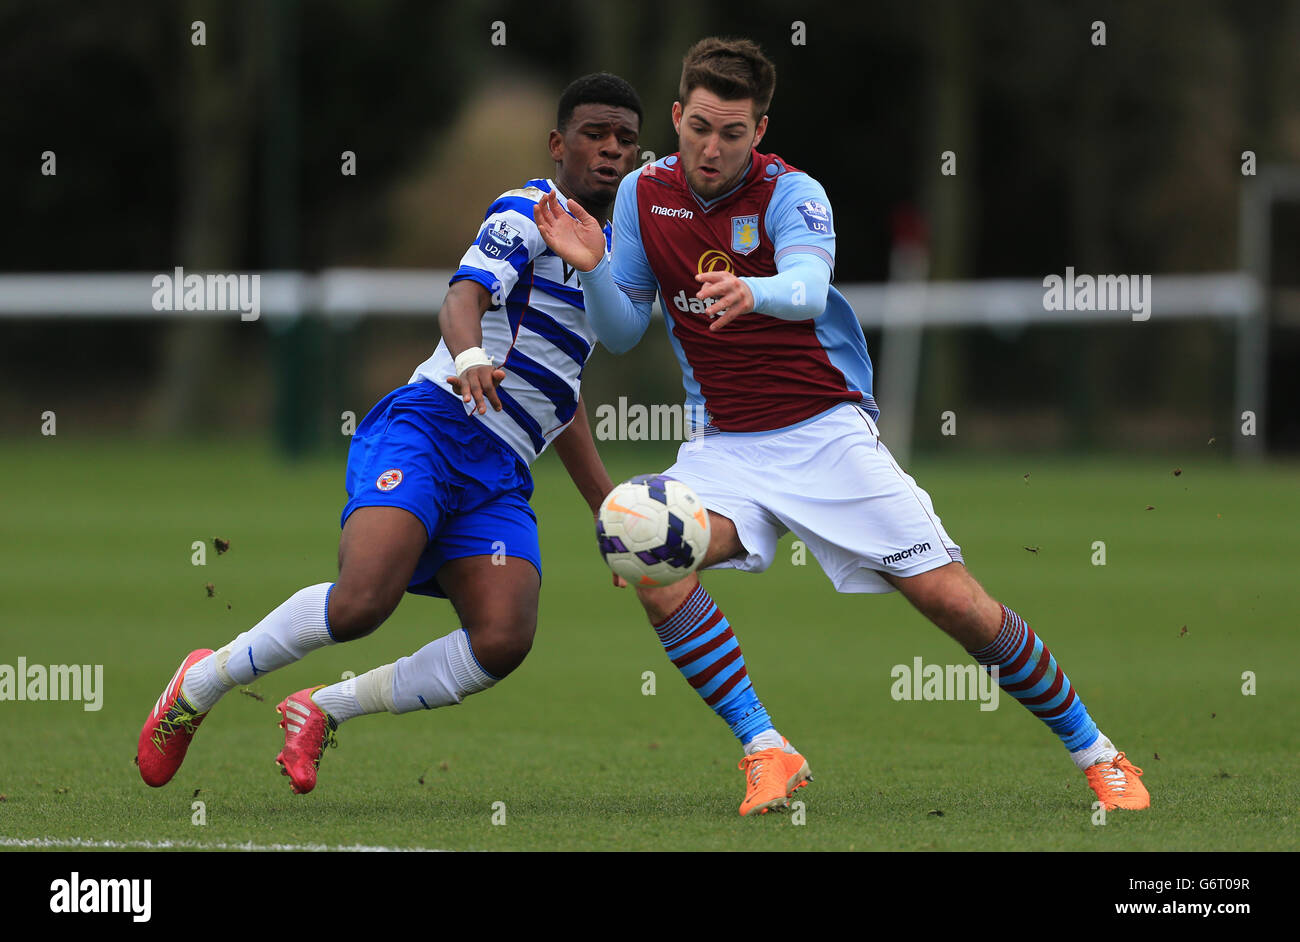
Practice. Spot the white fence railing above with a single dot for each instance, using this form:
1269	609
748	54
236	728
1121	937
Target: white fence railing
354	292
901	309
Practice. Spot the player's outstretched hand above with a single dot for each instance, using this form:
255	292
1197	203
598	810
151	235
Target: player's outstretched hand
479	383
731	296
578	239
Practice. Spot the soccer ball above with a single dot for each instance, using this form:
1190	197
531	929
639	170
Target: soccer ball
652	530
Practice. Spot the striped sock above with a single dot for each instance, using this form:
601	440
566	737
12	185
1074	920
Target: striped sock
699	642
1027	671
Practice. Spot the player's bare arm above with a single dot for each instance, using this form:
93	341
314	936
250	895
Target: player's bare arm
461	323
576	238
577	449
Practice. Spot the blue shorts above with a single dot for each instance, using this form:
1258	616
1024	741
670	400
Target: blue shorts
418	450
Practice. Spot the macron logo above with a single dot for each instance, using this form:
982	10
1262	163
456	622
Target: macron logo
905	554
672	213
76	895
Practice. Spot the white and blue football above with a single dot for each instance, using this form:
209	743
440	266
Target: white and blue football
652	530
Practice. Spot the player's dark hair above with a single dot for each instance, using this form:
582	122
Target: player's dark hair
730	68
599	88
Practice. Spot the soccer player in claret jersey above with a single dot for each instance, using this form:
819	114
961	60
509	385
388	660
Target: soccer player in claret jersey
740	248
438	482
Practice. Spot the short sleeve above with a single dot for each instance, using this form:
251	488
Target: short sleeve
506	242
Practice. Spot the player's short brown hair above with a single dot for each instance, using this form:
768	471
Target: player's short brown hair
730	68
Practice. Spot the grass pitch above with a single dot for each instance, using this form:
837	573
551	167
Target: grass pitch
96	568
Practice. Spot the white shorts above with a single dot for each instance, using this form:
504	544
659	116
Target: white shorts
833	483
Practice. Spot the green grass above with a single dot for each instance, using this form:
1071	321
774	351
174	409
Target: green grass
96	568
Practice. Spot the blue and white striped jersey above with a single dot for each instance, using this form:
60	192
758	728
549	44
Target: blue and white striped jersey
536	329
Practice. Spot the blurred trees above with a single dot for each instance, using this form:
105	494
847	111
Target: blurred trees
1117	158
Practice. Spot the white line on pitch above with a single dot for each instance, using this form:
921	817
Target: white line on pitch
201	845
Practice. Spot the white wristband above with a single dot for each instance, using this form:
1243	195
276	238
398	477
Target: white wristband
474	356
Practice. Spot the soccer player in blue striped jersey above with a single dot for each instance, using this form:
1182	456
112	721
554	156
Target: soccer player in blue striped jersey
438	475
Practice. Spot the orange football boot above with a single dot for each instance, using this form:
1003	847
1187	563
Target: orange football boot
1118	784
771	777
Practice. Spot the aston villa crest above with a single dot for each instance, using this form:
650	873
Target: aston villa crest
744	233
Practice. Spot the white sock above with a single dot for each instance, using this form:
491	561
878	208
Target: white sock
1102	750
372	692
286	635
768	739
203	687
441	673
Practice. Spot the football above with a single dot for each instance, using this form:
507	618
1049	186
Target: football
652	530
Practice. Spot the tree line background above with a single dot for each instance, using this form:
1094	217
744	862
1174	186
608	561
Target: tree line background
1122	158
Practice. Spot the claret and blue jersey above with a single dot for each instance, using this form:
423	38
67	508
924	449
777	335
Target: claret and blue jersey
760	372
